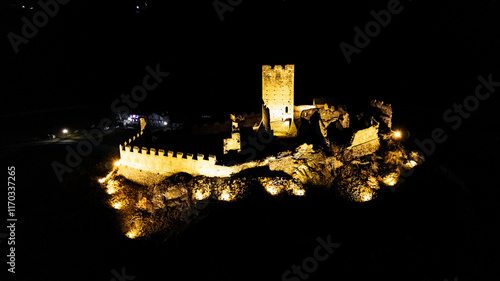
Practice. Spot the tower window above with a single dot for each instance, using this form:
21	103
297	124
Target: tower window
286	109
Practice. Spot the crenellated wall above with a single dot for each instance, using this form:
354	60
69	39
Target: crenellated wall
166	163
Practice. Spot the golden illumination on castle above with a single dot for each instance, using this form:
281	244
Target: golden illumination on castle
391	179
226	196
278	96
411	164
367	196
117	205
110	190
355	154
132	234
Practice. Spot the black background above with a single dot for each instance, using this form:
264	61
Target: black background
442	222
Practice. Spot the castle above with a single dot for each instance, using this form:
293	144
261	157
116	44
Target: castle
279	115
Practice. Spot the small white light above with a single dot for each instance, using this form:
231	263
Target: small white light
65	131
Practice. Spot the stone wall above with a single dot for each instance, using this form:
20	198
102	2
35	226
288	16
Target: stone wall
169	163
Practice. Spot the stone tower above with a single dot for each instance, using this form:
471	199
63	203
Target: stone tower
277	94
233	143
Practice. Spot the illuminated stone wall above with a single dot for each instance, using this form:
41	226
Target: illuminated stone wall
278	96
233	143
149	166
169	163
365	142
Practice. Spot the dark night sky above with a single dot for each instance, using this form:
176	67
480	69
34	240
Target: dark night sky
90	52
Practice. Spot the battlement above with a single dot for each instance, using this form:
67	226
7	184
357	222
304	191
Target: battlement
166	163
170	154
365	141
157	163
130	140
289	67
278	84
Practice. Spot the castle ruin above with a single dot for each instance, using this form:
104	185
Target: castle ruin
279	116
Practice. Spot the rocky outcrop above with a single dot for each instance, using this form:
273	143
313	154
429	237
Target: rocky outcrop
356	172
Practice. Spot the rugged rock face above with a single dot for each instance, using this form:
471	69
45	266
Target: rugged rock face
306	166
182	199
